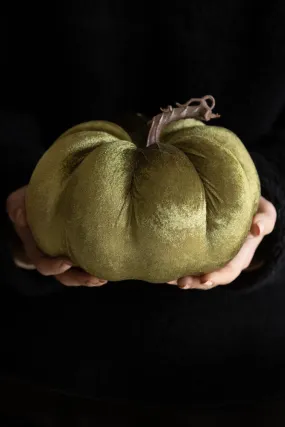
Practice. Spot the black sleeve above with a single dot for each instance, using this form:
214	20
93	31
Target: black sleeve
21	149
269	158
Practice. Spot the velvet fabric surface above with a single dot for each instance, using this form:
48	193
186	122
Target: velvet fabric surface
154	214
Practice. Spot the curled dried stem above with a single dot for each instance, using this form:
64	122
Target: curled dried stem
201	111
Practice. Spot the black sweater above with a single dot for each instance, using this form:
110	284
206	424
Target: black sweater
95	61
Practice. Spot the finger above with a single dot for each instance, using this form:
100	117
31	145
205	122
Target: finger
265	206
226	274
189	282
265	219
22	260
263	223
75	277
223	276
204	287
52	266
15	201
47	266
233	269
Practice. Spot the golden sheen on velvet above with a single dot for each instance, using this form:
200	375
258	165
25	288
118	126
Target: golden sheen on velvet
183	206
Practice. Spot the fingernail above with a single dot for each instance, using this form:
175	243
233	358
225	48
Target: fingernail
208	283
102	282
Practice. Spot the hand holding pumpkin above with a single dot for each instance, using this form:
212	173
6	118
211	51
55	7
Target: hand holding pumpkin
263	224
30	257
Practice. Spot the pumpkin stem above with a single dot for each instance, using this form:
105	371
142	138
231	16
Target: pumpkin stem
202	111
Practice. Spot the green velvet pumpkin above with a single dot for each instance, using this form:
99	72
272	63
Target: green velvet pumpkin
183	206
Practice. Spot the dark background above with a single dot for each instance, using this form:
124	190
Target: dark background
133	344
